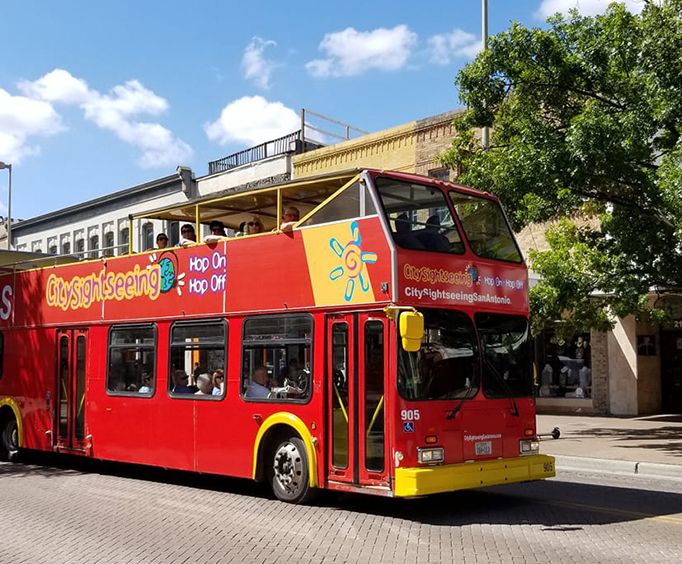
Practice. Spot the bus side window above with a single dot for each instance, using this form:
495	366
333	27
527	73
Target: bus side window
277	358
131	367
198	358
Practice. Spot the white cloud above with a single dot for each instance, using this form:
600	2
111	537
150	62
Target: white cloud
57	86
351	52
20	119
255	66
118	112
585	7
445	47
252	120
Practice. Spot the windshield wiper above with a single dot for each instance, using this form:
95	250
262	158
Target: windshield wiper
507	388
455	410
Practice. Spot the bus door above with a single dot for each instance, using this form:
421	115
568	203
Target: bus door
70	400
356	373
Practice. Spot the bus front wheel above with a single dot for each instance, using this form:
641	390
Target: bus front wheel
9	440
289	471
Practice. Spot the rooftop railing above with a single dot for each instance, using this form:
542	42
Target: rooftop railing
290	143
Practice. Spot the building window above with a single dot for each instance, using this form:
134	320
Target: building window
94	246
440	174
132	353
147	236
277	358
565	366
80	248
124	240
174	234
198	359
66	248
53	250
109	244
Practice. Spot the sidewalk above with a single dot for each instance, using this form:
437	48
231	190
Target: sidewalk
648	445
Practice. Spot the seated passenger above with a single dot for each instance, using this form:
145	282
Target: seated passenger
431	238
242	230
403	234
253	226
180	383
259	386
187	235
147	383
204	384
218	383
161	241
290	217
217	231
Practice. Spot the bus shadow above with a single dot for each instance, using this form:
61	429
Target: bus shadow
553	504
51	465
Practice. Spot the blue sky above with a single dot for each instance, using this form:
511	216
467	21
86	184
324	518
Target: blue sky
97	97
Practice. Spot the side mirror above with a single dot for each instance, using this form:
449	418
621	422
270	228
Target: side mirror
411	330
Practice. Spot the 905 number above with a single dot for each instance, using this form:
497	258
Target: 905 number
409	415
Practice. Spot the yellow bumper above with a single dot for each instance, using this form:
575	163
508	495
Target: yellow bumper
436	479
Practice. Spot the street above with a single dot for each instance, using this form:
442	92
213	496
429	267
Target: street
57	510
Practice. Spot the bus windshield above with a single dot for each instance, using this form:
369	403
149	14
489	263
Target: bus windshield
507	355
419	217
485	227
445	366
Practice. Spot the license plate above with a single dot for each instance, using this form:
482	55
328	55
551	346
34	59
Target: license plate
483	448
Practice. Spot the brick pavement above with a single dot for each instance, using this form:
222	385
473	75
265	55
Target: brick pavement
63	515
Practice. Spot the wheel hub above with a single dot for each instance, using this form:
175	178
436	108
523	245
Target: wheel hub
288	467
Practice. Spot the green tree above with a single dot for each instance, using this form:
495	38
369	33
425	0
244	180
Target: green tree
586	118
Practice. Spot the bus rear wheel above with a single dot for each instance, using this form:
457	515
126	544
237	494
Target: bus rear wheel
289	471
9	440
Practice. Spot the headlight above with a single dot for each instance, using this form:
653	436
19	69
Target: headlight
531	446
430	455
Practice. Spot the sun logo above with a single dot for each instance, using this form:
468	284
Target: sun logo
353	261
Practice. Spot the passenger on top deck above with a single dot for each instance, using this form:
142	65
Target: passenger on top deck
290	217
403	234
161	241
254	226
217	231
187	235
217	228
431	238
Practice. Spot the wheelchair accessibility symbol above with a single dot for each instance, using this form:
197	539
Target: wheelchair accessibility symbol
408	426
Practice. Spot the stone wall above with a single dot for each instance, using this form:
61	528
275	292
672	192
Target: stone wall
434	135
600	372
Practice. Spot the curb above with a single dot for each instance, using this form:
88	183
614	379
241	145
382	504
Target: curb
605	465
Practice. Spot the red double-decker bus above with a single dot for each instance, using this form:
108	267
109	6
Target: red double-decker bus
379	343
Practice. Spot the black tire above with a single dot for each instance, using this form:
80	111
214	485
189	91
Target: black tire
9	440
289	472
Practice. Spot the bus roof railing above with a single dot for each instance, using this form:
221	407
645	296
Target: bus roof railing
267	203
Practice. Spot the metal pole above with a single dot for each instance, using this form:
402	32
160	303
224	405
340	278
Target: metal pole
302	130
484	33
8	166
9	210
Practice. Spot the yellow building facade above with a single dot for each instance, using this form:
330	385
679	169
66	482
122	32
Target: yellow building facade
411	147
